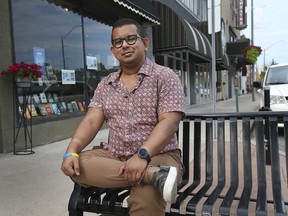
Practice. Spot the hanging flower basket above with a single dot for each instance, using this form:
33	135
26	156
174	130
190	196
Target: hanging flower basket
23	83
23	73
251	53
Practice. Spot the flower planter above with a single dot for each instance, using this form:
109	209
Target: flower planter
251	53
23	83
23	73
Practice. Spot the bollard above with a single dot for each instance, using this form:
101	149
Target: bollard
236	84
267	97
236	99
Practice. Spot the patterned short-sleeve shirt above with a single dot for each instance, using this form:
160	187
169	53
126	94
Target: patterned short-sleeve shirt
131	117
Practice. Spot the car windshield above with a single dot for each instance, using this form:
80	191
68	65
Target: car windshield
277	75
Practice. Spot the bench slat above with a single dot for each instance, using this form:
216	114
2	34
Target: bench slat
247	167
186	161
261	205
208	205
191	207
234	171
275	163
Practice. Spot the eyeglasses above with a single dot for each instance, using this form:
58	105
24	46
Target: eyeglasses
130	39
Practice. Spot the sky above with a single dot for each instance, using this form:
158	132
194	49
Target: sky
270	29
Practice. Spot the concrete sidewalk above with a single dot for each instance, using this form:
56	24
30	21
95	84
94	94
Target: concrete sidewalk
245	104
33	185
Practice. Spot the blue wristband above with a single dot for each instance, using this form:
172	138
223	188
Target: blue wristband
71	154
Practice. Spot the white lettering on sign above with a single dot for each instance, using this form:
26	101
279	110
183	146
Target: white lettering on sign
241	14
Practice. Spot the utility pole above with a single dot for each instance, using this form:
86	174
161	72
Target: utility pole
252	43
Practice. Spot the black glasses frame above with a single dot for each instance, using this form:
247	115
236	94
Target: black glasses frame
130	39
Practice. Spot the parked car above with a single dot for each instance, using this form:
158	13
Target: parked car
276	78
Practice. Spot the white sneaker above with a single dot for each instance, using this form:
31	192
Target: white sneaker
165	180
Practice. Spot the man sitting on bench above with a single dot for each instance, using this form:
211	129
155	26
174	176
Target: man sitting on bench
142	104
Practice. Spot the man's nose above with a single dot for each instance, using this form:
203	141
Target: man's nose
125	43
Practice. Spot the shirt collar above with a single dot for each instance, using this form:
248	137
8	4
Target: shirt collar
144	70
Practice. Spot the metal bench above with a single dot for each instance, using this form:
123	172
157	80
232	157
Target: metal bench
227	172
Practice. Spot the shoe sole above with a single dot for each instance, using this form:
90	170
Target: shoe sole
170	186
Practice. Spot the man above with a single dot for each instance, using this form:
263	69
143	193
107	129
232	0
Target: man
142	104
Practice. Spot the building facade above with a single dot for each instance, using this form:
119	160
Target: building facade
71	41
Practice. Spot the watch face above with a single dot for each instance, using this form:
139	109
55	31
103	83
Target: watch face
143	152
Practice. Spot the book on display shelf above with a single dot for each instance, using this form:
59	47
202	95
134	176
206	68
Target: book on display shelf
64	105
27	114
32	110
69	107
49	70
30	99
49	98
48	109
74	106
61	107
55	109
55	98
81	107
38	109
42	109
43	98
36	98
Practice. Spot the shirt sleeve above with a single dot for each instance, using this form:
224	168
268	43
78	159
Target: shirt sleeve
170	93
97	99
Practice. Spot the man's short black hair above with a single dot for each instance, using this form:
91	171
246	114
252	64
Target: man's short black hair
126	21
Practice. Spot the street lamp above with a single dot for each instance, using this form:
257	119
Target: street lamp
252	42
62	43
264	52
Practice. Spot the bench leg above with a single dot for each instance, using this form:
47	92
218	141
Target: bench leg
76	213
72	206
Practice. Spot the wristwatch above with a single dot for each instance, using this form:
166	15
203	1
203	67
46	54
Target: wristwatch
144	154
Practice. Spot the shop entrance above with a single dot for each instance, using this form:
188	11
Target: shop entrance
202	84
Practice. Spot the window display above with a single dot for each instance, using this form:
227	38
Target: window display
55	98
58	48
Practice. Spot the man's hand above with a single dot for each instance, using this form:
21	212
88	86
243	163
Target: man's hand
133	170
70	166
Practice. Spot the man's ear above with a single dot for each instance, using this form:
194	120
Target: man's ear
146	43
112	50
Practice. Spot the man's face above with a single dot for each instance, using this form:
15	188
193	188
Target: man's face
129	47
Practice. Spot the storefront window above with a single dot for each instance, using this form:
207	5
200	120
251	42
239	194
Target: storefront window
49	35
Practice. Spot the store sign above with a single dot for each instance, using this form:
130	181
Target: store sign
39	57
241	15
236	48
91	62
68	77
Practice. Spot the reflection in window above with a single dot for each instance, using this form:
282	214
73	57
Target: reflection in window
49	35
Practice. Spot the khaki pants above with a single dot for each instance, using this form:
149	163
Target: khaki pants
100	168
